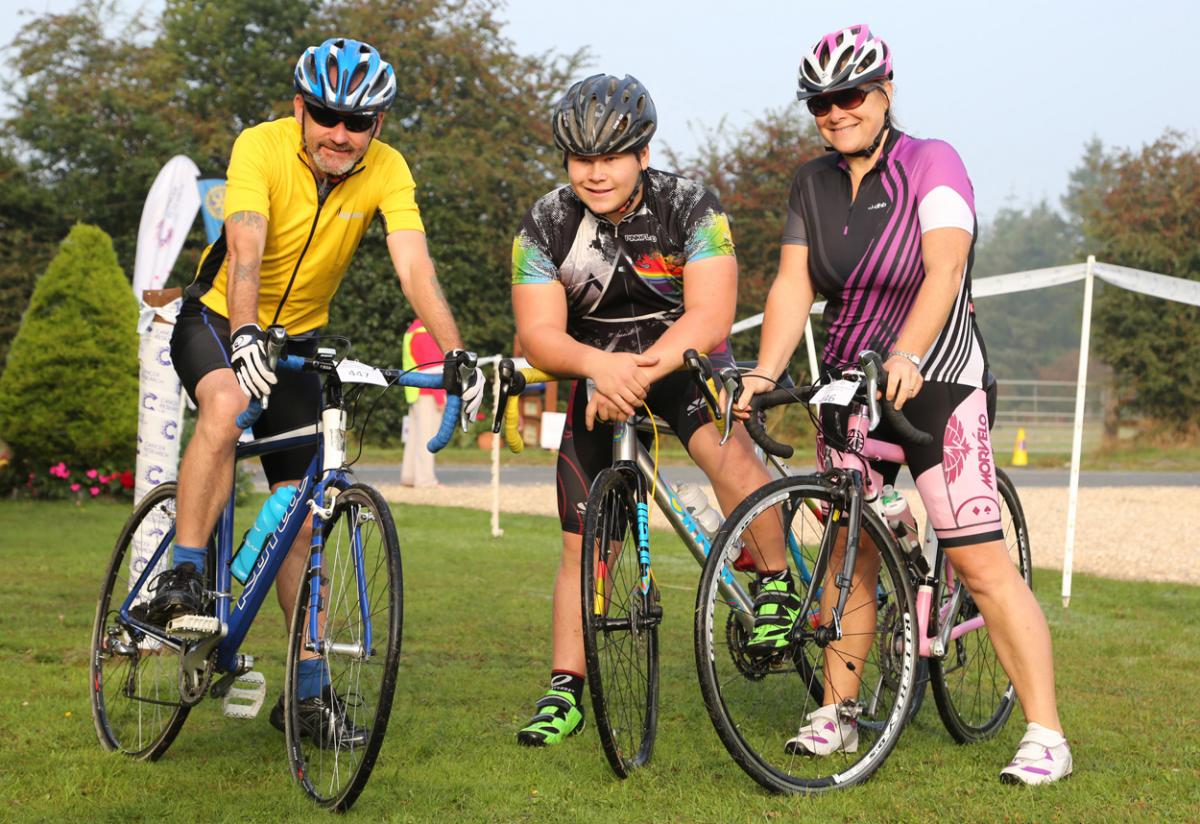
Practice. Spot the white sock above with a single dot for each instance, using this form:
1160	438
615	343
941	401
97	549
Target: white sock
1047	734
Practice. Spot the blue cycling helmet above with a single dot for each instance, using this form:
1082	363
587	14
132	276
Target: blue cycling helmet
347	76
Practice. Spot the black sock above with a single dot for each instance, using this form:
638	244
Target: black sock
571	682
784	576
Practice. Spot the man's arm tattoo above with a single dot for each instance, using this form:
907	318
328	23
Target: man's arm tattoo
252	220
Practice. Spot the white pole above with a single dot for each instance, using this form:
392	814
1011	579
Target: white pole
1077	439
496	530
812	351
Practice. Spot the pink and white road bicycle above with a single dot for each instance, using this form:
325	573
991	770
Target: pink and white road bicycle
880	618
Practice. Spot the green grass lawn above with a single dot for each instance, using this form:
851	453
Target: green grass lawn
475	658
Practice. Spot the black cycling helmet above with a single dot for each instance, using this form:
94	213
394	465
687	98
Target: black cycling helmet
604	115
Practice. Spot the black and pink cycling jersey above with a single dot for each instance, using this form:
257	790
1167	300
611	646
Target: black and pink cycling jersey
864	257
864	253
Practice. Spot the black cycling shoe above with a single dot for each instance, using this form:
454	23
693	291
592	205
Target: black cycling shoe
178	591
323	719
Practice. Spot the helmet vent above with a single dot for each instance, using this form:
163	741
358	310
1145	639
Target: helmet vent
356	78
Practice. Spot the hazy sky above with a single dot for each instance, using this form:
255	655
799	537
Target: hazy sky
1018	87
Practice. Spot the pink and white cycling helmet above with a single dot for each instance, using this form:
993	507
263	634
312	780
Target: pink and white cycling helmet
844	59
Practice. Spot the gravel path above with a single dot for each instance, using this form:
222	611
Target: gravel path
1113	535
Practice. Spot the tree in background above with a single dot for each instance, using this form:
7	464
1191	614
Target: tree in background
751	171
30	226
94	126
1028	334
71	387
1142	210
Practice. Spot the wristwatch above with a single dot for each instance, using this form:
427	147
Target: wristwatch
909	356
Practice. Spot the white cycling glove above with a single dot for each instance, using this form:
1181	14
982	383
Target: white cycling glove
248	356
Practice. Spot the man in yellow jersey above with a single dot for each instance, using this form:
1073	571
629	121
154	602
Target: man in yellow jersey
299	196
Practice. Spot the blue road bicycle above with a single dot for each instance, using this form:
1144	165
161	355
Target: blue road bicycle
349	610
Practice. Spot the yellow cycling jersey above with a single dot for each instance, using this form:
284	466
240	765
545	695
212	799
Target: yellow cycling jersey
309	243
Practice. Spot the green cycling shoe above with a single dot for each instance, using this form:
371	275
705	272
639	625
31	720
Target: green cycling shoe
776	608
558	716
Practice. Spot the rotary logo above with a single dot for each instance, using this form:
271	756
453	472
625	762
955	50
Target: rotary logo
214	201
954	449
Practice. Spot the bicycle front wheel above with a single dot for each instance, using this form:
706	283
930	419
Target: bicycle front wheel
136	704
621	614
333	739
761	706
973	693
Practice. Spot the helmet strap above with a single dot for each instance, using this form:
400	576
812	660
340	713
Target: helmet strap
633	196
875	144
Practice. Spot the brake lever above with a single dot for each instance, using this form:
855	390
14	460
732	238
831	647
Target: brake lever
466	369
731	383
505	370
702	373
871	367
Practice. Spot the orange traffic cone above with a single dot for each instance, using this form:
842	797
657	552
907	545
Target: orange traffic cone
1020	454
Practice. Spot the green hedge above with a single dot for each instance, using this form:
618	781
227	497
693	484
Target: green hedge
69	390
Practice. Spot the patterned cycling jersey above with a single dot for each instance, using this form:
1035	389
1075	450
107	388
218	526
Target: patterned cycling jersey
865	254
624	281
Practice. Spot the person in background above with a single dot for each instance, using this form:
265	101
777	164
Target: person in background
421	354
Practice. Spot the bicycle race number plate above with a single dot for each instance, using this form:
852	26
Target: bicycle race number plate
839	393
352	371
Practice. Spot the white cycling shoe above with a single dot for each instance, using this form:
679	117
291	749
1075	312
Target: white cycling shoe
824	734
1042	757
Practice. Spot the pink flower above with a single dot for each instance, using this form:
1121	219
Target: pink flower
95	490
74	487
59	470
91	473
103	479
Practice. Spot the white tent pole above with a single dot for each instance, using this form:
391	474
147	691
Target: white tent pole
1077	438
496	530
812	351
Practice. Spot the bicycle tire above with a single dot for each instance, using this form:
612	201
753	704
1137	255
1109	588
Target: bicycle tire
755	713
134	680
974	695
620	626
328	768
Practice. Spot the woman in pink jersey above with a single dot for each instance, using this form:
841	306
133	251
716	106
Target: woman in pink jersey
883	227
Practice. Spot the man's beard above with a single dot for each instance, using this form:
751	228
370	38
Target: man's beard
326	168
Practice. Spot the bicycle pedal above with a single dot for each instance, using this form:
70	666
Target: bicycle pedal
245	696
194	627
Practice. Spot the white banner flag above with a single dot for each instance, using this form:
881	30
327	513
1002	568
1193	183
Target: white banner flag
1150	283
170	208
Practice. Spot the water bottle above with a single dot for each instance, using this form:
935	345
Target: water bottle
268	518
901	520
696	502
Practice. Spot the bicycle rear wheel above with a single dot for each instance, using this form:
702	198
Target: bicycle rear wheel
620	626
359	629
134	685
973	693
757	705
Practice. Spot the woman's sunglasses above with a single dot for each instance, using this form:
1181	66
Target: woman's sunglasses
329	118
846	100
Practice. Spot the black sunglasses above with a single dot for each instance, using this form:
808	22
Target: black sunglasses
846	100
329	118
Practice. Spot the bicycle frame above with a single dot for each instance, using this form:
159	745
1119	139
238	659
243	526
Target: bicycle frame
236	617
318	488
944	631
628	452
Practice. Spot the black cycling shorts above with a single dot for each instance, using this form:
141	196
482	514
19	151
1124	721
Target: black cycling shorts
583	454
200	344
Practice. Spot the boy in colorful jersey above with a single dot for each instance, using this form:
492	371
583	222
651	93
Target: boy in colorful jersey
614	276
300	194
